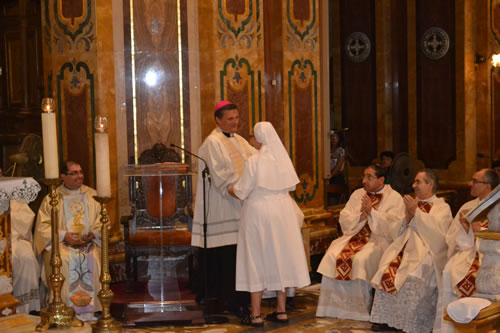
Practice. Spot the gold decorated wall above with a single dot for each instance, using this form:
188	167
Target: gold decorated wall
156	74
301	86
271	59
494	78
261	55
264	56
79	75
232	65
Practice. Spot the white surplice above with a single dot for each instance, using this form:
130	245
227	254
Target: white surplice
424	257
25	269
352	299
223	210
462	250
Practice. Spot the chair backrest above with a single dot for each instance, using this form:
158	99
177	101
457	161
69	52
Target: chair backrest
175	192
28	162
158	154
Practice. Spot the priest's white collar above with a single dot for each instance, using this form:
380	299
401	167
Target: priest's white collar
229	135
77	191
431	199
380	191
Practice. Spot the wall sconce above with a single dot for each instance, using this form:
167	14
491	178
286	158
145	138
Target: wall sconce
495	60
480	59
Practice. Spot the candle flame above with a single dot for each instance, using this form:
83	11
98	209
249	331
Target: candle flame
101	124
48	105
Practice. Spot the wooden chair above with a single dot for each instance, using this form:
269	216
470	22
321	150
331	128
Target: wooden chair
340	192
158	223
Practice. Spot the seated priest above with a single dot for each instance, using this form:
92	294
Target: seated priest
370	221
79	241
410	269
459	274
25	269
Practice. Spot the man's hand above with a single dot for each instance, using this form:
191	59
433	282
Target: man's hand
410	207
72	238
88	237
230	190
465	224
75	239
476	226
366	204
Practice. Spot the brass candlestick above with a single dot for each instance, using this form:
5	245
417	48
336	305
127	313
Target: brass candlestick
57	312
105	323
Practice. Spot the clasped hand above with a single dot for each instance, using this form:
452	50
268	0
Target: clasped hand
410	207
476	226
366	207
73	238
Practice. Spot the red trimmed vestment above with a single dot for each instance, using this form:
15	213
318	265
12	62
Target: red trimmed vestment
351	260
356	243
389	276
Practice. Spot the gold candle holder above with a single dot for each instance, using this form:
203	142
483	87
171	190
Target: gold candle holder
57	312
105	323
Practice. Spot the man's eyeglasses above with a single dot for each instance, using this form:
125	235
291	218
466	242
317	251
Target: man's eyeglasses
75	173
477	181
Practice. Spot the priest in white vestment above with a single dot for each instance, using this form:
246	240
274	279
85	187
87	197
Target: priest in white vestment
460	272
25	268
370	221
79	241
410	269
271	253
225	153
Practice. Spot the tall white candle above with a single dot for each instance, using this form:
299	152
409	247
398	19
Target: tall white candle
102	164
49	133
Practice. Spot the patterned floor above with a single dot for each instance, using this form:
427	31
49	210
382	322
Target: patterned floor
302	319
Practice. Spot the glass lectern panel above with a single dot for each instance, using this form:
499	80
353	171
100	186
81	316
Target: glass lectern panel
158	240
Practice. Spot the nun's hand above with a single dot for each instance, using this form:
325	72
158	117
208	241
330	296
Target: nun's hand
230	190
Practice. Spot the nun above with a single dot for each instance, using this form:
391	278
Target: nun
270	251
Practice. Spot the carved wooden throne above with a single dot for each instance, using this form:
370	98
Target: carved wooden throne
158	225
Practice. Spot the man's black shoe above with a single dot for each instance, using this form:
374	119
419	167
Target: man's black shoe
376	327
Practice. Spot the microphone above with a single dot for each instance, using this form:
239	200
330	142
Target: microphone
206	171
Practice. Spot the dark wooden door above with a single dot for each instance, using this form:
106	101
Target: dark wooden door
21	74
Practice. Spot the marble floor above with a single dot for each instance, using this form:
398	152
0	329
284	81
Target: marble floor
302	319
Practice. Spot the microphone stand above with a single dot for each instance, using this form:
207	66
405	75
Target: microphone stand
205	174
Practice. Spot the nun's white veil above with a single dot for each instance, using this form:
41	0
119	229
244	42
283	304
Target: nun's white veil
275	170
